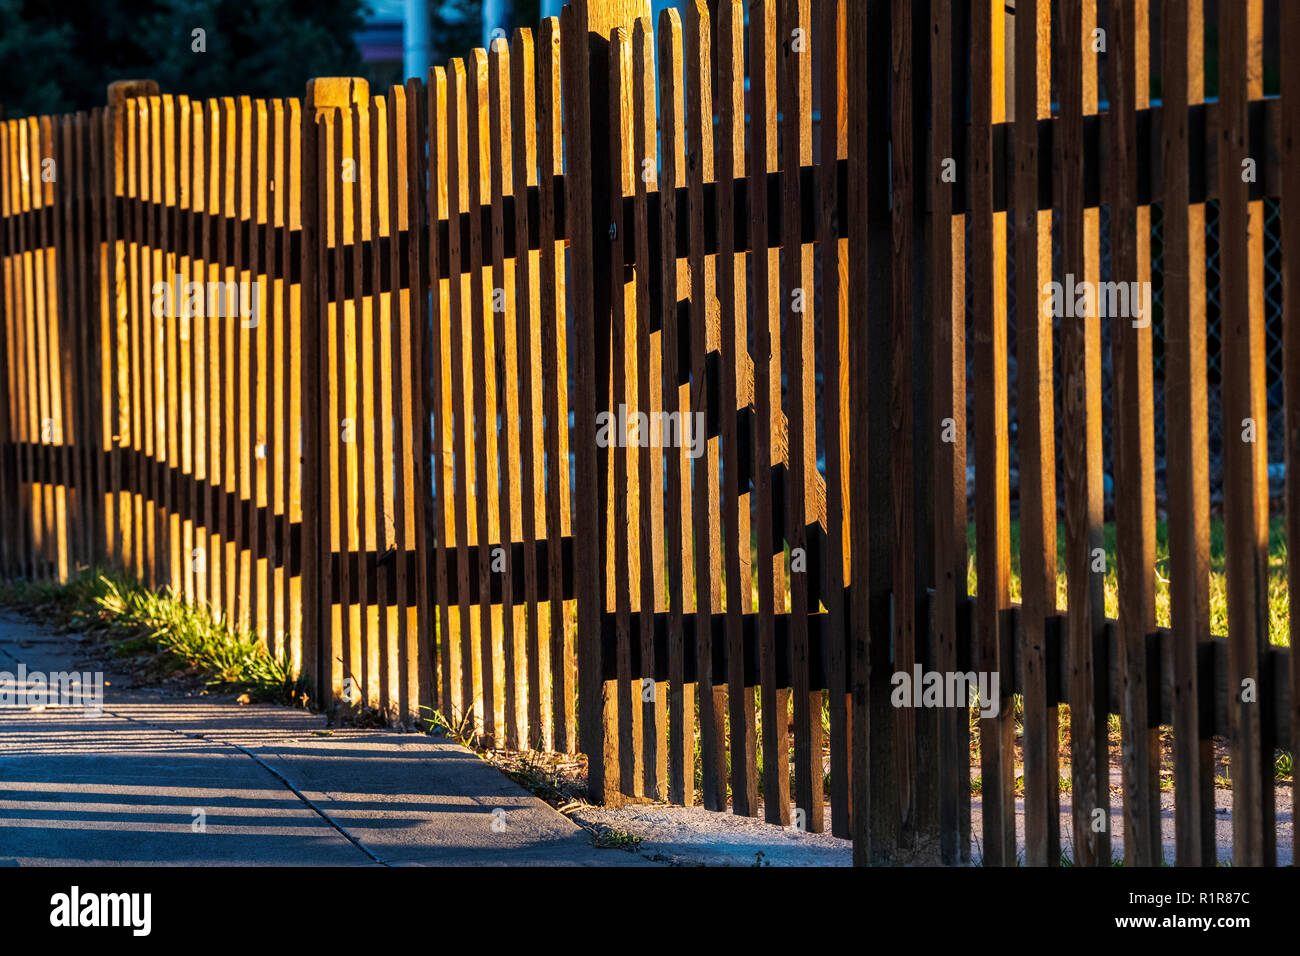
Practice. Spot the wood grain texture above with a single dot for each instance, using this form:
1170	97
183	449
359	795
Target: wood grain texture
704	325
1035	407
766	299
1081	458
650	392
585	65
681	695
1186	430
621	466
1133	414
795	98
532	460
856	41
554	324
1244	478
735	368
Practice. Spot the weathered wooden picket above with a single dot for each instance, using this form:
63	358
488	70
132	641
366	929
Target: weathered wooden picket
379	431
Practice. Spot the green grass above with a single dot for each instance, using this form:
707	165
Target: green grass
1278	597
135	620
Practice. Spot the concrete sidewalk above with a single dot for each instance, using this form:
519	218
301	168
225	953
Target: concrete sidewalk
159	780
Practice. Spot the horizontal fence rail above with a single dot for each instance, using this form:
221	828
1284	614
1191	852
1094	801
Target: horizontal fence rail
614	390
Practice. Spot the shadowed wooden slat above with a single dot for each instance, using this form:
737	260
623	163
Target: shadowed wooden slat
1033	238
624	484
483	345
537	652
1245	482
1186	430
650	460
704	319
730	167
554	328
1133	414
795	99
1081	458
505	374
681	695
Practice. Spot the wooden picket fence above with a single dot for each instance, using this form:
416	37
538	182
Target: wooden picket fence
386	457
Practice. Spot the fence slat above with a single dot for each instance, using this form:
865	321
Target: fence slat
650	394
681	695
835	324
336	586
416	653
352	371
365	384
903	466
487	463
273	314
704	322
60	268
154	363
584	58
439	357
1134	455
228	260
555	371
167	333
137	485
505	364
463	385
622	376
11	493
949	408
1244	475
380	626
798	346
765	266
260	334
63	265
987	271
856	51
527	333
243	432
186	367
1290	90
1081	458
47	352
198	556
1186	403
1034	404
735	368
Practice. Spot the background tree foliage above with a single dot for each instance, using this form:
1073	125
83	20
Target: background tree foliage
60	55
457	25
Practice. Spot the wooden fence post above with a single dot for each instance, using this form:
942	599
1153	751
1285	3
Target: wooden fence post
117	302
585	31
324	95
